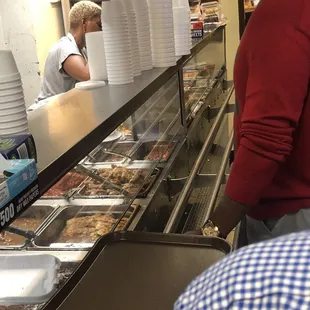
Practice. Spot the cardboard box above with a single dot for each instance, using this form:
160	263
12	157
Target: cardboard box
18	188
18	147
15	176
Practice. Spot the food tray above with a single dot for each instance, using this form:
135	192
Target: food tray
150	147
148	166
48	237
37	212
80	194
103	158
69	188
158	266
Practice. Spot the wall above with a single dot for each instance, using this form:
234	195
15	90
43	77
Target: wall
230	8
30	27
20	37
48	26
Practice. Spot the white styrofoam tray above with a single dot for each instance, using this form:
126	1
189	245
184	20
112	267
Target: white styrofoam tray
27	279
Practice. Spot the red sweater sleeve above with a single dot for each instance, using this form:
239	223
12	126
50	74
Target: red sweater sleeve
277	86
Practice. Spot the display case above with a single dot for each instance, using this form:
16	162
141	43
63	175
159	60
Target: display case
146	157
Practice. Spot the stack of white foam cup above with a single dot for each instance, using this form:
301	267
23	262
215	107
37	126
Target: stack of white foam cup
162	33
13	116
144	34
133	34
117	43
185	4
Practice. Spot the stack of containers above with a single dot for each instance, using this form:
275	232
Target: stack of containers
133	34
182	28
185	3
162	33
117	46
13	116
144	34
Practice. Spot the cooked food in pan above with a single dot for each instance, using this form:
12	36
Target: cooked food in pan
122	176
129	180
95	188
190	74
9	239
122	128
70	181
159	152
87	229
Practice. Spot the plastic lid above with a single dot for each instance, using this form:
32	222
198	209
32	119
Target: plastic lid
27	279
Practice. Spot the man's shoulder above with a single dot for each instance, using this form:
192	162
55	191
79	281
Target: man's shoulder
271	268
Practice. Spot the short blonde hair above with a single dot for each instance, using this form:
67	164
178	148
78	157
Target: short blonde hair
83	10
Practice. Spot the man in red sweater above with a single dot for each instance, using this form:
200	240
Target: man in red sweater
270	177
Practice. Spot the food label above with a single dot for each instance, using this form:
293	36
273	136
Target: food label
197	29
14	208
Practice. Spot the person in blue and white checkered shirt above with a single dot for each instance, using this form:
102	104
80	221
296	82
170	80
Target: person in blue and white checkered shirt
270	275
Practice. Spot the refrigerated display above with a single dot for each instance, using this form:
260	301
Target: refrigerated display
127	158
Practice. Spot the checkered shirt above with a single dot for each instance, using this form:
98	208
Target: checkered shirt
270	275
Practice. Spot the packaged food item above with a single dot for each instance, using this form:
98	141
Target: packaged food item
190	74
212	15
195	6
210	8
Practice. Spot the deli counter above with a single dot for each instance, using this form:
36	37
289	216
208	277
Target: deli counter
151	156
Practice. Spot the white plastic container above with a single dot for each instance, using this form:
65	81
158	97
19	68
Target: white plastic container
27	279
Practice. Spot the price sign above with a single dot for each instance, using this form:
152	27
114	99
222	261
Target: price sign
18	205
197	29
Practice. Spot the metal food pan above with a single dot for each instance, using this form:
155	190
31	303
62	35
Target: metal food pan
135	164
103	158
48	237
67	194
81	195
40	212
147	147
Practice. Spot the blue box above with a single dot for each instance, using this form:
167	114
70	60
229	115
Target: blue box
16	178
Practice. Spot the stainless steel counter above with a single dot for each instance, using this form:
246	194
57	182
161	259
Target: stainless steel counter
68	128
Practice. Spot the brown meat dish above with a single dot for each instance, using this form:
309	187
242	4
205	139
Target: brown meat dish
159	152
95	188
70	181
122	128
128	179
87	229
122	176
8	239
